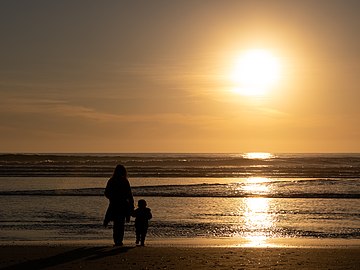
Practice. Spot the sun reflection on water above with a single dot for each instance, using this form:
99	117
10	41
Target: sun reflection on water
256	189
256	186
258	221
258	155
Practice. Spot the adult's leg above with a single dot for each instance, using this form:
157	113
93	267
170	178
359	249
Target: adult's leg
118	230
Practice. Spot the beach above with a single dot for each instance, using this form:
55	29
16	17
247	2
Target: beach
282	212
176	257
214	134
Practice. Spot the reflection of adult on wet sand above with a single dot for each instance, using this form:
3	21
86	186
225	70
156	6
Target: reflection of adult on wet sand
121	203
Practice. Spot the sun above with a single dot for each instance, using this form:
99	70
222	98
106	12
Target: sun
255	72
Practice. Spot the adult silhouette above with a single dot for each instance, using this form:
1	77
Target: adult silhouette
121	203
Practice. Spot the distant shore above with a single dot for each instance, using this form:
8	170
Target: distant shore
176	257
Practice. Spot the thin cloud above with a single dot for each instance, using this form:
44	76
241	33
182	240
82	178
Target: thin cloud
48	107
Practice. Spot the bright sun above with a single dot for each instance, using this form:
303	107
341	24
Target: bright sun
255	72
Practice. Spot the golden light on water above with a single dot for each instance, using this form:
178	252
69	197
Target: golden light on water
256	180
257	221
258	155
256	186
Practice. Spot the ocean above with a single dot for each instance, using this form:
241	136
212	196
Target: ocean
254	196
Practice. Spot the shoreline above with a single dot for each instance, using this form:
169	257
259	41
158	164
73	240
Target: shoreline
156	257
199	242
183	253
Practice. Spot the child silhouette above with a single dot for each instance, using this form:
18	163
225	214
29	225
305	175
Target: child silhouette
142	215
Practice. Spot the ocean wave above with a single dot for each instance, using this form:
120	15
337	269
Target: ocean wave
181	165
233	190
161	229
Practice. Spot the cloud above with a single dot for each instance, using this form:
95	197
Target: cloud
61	108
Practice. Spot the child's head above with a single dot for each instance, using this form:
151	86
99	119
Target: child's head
141	203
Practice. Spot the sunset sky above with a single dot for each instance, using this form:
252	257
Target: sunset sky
157	76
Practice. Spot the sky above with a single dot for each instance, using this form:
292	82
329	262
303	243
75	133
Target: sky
155	76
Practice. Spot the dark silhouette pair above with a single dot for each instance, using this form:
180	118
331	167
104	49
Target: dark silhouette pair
121	207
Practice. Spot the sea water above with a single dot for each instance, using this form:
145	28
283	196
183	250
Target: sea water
59	197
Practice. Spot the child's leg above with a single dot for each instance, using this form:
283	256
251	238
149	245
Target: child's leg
138	235
143	236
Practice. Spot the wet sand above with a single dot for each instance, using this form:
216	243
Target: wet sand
176	257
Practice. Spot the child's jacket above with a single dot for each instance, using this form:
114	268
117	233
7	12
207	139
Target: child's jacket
142	216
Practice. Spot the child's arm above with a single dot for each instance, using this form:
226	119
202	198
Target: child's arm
149	214
133	214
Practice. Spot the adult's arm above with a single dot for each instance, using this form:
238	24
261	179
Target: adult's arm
108	190
130	196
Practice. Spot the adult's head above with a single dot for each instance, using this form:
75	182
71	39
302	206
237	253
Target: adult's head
120	172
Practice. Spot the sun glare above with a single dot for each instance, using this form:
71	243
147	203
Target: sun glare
255	72
258	221
257	155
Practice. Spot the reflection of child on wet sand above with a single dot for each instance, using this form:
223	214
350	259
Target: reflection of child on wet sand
142	215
